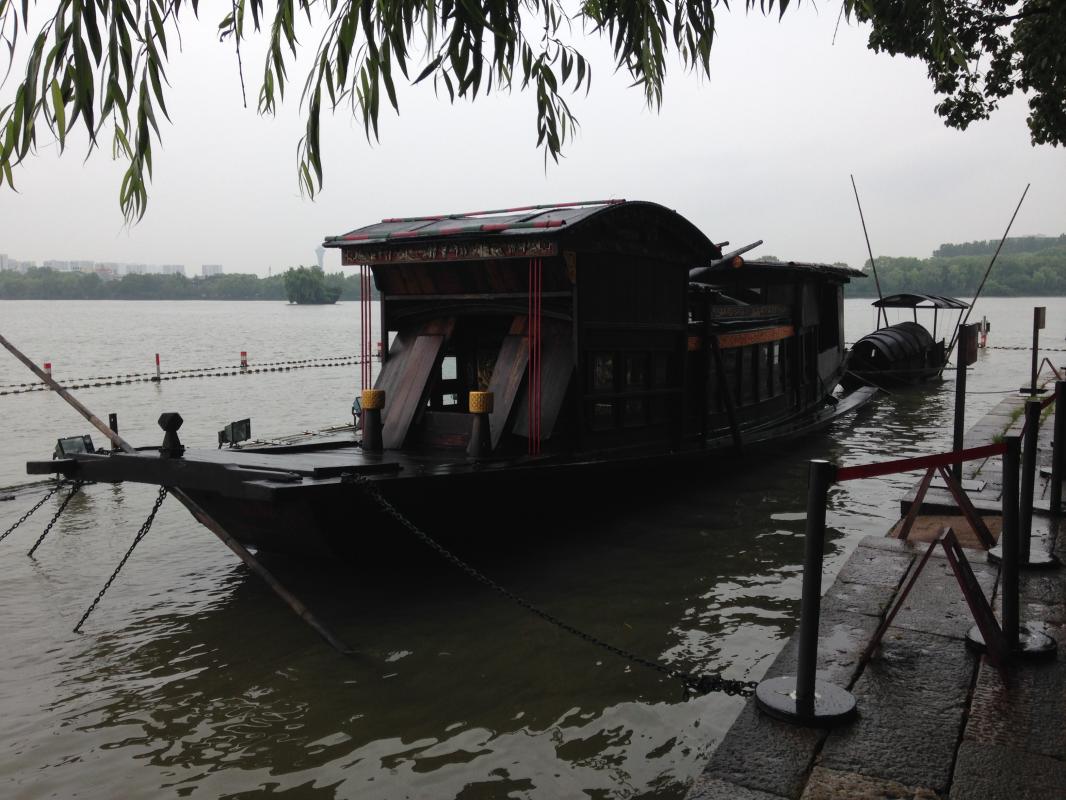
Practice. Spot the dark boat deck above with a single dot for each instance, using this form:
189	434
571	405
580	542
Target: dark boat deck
263	471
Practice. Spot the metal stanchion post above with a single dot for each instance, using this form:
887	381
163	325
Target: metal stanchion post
960	414
804	699
1025	514
1021	640
1026	556
1008	541
966	356
1058	448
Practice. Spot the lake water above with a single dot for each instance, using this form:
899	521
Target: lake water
192	680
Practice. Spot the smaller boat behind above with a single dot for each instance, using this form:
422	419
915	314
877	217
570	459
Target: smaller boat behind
906	353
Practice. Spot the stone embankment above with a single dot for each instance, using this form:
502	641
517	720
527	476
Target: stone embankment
934	719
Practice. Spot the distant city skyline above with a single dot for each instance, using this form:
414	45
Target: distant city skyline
105	269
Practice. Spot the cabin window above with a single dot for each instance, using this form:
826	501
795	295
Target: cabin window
749	375
628	388
729	369
448	368
602	416
787	346
771	365
828	318
660	410
635	412
660	376
467	363
636	376
603	372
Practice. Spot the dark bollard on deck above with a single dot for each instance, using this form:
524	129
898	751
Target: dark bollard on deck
805	700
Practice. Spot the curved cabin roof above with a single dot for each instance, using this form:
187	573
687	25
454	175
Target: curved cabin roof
606	226
909	300
897	343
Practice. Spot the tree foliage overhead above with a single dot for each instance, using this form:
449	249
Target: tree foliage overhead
101	64
979	52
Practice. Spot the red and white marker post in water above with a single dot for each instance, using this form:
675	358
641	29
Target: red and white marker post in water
48	368
244	359
157	378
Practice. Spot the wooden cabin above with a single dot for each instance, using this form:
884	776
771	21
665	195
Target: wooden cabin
598	328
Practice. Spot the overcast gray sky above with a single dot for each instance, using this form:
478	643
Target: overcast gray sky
761	150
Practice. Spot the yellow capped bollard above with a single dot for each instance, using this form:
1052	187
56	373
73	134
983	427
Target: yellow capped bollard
480	404
373	401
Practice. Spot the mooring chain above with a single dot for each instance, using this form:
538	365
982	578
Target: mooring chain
694	684
62	507
59	485
136	540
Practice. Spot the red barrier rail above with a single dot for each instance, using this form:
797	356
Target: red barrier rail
921	462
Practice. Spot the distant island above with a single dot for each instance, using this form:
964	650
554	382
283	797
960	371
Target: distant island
310	286
47	284
1028	266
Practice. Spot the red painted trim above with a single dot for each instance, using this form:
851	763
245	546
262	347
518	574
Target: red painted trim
515	210
922	462
757	336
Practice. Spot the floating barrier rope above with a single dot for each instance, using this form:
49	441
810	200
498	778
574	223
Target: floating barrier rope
197	372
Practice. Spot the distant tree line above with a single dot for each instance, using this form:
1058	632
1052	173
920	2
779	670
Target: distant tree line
1024	273
48	284
1015	244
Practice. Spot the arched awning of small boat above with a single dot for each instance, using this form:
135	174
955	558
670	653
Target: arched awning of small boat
898	342
909	300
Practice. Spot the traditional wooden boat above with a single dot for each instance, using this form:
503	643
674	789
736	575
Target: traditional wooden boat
906	353
563	345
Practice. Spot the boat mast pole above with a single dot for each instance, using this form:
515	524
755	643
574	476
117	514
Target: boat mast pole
873	264
194	508
955	335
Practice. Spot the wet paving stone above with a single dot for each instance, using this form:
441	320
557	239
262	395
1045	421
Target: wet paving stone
1029	712
770	756
936	603
992	772
912	699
